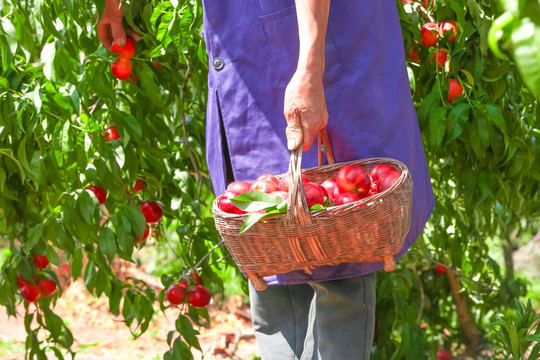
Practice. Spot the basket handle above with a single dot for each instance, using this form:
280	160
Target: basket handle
297	195
324	147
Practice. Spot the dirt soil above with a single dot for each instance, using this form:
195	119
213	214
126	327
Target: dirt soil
100	335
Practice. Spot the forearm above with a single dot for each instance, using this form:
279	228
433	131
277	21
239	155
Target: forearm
305	105
312	23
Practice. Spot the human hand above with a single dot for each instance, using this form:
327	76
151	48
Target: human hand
110	28
304	108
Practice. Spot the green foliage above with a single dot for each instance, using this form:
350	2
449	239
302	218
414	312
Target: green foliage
518	28
517	331
483	155
57	96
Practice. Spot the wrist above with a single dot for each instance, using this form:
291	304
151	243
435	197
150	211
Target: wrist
114	8
311	67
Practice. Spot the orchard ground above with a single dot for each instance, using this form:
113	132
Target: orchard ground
100	335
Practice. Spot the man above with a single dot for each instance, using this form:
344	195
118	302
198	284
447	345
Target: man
280	70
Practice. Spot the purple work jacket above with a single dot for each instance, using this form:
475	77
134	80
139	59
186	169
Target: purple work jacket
253	51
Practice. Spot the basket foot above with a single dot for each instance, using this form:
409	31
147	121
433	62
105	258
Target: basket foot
258	283
389	263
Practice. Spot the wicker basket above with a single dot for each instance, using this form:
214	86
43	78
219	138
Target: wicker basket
370	230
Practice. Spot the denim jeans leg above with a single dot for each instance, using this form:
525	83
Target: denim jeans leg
280	319
320	321
343	320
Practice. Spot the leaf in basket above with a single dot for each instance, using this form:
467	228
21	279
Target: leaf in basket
282	207
316	207
253	218
255	201
328	203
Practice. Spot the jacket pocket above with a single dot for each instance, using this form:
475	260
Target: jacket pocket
281	31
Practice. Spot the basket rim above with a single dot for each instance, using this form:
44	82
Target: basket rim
404	175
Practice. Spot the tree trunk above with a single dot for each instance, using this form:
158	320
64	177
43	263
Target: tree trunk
508	258
466	320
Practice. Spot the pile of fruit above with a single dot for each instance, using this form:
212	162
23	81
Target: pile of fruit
352	183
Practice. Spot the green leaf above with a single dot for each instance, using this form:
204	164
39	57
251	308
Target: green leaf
36	98
100	82
535	338
425	109
102	283
34	234
412	79
437	126
86	206
53	322
137	219
484	132
494	73
107	243
3	177
28	318
89	275
57	353
253	218
74	94
526	41
21	154
26	269
115	296
52	256
170	337
474	139
119	155
65	137
47	57
77	263
256	200
185	328
128	311
535	352
499	30
130	123
124	235
496	116
10	34
457	116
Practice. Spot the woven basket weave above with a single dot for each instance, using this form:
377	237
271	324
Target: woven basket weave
370	230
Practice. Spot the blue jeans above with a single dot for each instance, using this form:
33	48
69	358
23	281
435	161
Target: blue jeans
331	320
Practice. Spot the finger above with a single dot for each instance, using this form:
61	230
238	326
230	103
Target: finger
133	34
103	30
312	128
118	33
294	129
309	137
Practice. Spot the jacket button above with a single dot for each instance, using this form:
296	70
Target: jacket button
218	63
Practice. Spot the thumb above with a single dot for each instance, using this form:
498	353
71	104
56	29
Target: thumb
294	129
118	33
